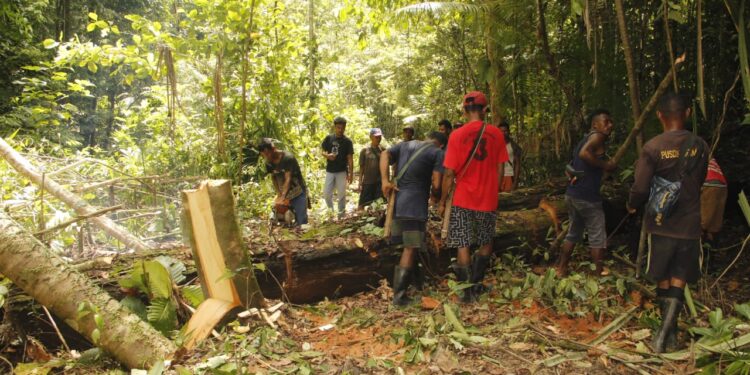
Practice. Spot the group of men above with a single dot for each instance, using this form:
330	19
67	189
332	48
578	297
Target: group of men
460	170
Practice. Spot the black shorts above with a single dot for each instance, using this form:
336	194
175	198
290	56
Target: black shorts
370	193
673	258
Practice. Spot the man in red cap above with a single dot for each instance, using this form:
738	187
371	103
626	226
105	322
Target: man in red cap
474	162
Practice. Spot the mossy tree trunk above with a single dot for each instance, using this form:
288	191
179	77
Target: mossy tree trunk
77	300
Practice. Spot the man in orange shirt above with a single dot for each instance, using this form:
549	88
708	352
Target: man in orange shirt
472	218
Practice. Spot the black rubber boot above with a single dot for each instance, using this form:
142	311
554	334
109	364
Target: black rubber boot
401	279
418	276
671	343
479	265
463	275
670	313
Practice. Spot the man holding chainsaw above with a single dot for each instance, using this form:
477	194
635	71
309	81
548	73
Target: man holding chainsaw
420	168
474	164
288	182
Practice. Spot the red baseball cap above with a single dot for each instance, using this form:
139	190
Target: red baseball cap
475	98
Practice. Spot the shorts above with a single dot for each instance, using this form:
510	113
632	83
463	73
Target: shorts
408	233
589	216
713	200
468	227
673	258
370	193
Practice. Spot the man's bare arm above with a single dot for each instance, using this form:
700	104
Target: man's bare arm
588	152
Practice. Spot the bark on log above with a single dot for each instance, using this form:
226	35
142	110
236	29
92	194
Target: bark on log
47	278
81	207
322	263
531	196
327	265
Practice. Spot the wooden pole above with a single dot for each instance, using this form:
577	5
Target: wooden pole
81	207
47	278
635	101
660	90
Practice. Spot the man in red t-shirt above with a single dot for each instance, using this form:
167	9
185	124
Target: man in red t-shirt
472	218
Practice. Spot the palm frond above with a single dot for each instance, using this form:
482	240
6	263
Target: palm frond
439	8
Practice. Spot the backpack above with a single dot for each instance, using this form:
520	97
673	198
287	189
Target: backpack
664	194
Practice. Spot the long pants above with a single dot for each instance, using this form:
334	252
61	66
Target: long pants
299	205
335	181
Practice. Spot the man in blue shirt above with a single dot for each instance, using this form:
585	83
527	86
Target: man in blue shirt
582	196
422	174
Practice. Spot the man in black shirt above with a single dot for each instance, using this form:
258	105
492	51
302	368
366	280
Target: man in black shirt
338	151
287	179
411	206
674	240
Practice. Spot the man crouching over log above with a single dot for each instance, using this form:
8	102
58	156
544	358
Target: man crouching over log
420	166
474	160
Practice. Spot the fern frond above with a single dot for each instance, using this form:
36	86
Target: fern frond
193	294
162	314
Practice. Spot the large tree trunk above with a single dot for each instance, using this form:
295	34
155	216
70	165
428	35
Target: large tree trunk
80	206
47	278
635	101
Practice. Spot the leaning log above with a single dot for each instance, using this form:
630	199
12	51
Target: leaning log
77	300
81	207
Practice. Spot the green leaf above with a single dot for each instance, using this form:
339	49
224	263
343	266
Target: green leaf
743	309
452	319
162	315
32	368
742	47
93	16
95	335
157	368
98	320
156	278
193	294
50	43
175	267
92	66
744	205
136	306
91	27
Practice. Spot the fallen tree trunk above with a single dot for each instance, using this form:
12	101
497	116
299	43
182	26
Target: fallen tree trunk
326	264
338	259
531	196
77	300
81	207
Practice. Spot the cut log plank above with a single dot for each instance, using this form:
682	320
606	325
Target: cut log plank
81	207
211	229
46	277
226	277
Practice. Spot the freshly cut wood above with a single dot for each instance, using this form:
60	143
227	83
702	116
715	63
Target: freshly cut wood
81	207
46	277
225	274
211	229
531	196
